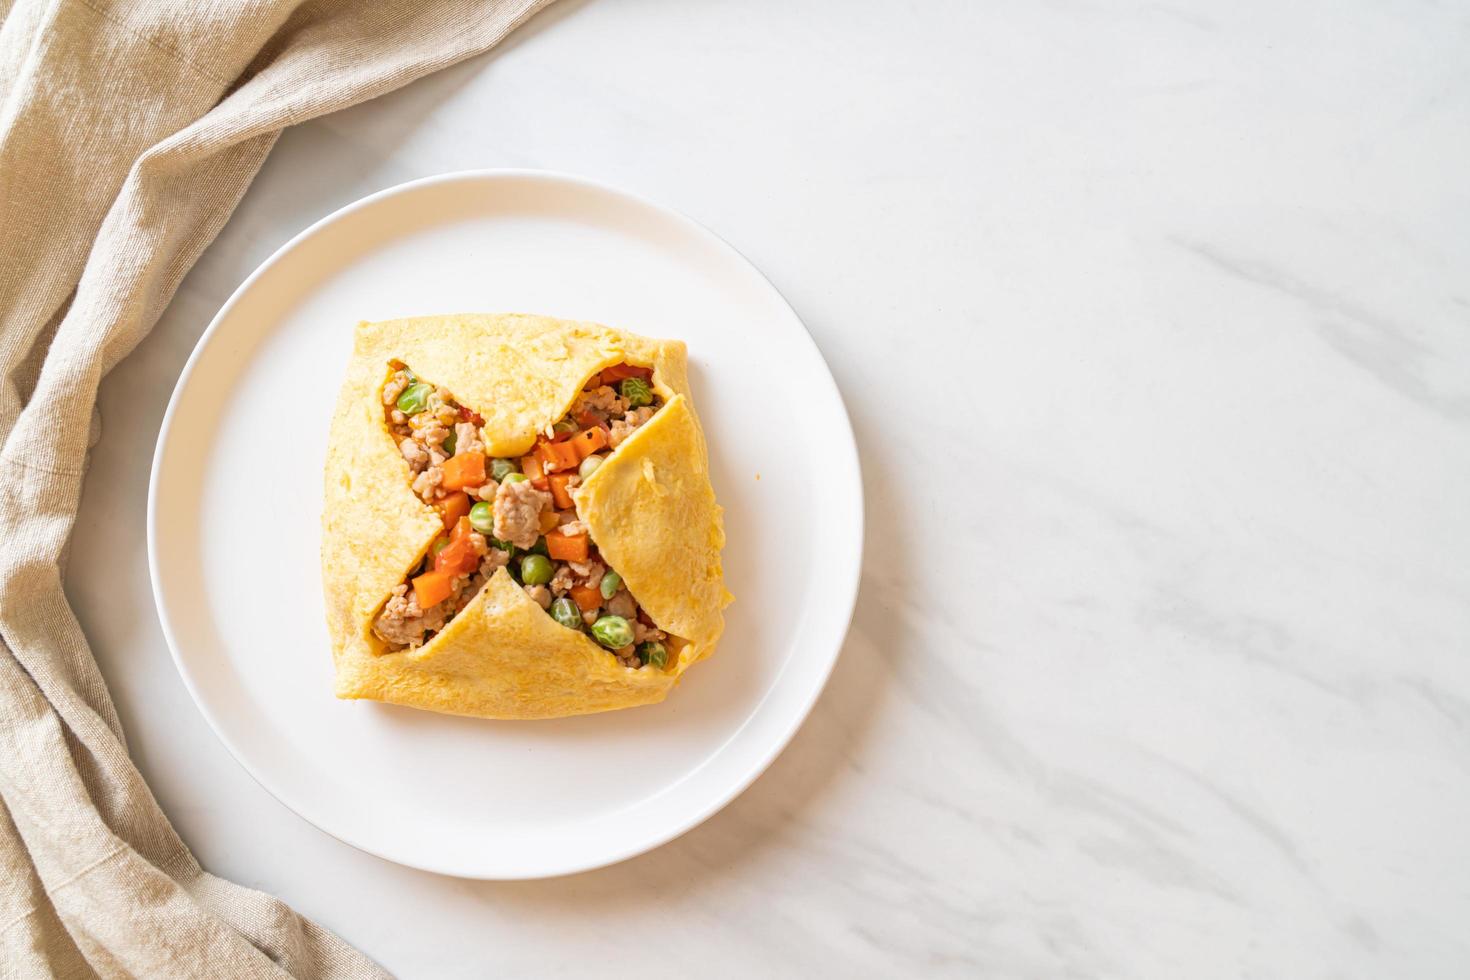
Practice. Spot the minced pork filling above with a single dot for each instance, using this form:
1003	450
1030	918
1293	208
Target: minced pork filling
516	514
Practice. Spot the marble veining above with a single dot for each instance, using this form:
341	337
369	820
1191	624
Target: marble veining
1386	350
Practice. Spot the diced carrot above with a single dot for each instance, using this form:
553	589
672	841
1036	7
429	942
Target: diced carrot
618	372
462	531
589	420
567	547
548	520
464	470
532	467
432	588
557	456
589	441
586	597
459	556
559	492
454	506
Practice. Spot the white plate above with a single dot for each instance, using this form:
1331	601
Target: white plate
235	500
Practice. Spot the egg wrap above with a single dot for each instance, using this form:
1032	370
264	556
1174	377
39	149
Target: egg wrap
650	509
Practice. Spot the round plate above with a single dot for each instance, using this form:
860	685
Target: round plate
235	503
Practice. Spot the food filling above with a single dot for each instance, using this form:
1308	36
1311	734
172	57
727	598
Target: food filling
516	514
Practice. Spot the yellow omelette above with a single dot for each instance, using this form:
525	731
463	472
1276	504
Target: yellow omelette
428	607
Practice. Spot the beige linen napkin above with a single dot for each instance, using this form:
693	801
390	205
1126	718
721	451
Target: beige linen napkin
129	129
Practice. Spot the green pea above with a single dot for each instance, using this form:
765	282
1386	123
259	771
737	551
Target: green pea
536	570
613	632
565	611
414	398
482	517
589	466
611	582
450	441
502	468
636	392
513	478
653	652
440	543
566	425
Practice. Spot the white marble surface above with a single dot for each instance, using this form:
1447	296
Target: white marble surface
1154	323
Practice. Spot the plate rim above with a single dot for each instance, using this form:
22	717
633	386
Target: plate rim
847	592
